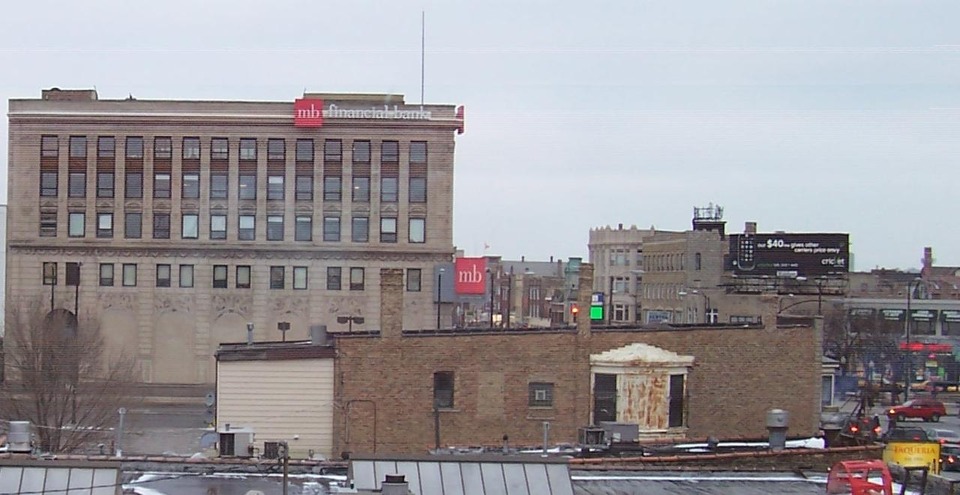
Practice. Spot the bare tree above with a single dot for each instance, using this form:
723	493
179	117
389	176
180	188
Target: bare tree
60	378
850	339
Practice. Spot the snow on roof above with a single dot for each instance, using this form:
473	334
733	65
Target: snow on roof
640	353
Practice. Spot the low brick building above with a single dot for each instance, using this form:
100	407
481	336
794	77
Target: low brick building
687	382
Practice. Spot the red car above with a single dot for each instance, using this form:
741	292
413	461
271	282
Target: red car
925	409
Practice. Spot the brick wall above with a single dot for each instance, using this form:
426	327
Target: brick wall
387	381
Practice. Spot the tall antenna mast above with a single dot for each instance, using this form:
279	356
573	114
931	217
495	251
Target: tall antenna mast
423	45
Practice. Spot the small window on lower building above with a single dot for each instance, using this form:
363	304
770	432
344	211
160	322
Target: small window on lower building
50	273
243	277
104	225
299	277
541	394
356	278
418	230
129	275
388	229
218	226
219	276
275	227
163	275
190	226
677	398
186	276
334	277
246	230
106	274
277	274
443	384
413	279
77	224
48	224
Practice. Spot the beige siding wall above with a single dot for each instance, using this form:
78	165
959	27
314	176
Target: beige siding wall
279	400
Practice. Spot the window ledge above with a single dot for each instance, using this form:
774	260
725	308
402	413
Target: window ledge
541	418
448	410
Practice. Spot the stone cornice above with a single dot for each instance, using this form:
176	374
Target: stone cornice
232	252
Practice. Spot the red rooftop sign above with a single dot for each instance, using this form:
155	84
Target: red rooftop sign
470	275
308	112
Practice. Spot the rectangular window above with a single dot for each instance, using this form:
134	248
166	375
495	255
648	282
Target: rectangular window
190	226
276	149
361	152
163	275
219	187
299	278
248	149
191	148
77	187
219	276
132	225
77	224
304	150
134	147
275	187
129	275
161	185
219	149
304	188
331	229
388	189
413	279
48	224
104	225
49	146
106	147
186	276
418	152
332	150
334	277
332	188
48	184
49	273
72	275
360	229
388	229
275	227
277	274
218	226
417	231
304	228
243	276
161	225
356	278
106	274
676	405
418	189
246	228
248	186
443	390
541	394
163	148
389	152
133	185
78	147
105	184
191	185
361	189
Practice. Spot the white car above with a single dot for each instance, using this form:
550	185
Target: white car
943	436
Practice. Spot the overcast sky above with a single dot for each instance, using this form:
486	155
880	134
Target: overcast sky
801	115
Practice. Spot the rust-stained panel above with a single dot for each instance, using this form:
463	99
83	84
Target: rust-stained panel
642	399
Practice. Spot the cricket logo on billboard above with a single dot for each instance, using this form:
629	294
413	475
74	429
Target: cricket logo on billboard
789	255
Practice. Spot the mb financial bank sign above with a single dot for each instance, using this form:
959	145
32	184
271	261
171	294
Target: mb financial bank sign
310	112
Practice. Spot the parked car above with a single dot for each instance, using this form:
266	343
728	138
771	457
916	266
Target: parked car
906	434
943	436
950	457
922	408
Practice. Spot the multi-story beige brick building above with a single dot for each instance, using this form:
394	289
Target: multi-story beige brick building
179	223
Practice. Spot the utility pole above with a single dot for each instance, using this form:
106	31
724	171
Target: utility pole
285	459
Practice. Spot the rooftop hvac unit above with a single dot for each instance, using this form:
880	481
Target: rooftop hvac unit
236	442
19	437
591	435
621	432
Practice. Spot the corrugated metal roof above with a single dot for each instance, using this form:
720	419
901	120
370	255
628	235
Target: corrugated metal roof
467	474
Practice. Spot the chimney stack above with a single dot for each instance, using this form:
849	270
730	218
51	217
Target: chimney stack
750	228
394	484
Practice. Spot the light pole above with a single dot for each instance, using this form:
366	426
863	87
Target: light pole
283	326
350	320
439	295
490	277
610	306
908	380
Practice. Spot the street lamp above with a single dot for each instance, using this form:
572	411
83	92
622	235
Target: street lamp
283	326
781	308
906	324
350	320
439	295
490	277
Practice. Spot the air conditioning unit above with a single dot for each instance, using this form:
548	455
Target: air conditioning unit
591	435
271	450
236	442
621	432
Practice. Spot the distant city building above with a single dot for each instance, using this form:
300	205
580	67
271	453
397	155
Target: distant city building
180	223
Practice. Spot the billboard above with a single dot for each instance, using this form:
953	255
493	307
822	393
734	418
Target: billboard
789	255
470	275
308	112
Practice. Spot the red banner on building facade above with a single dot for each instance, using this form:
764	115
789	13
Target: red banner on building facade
307	112
471	275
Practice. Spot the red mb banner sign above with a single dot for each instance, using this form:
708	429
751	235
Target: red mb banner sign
308	112
471	275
